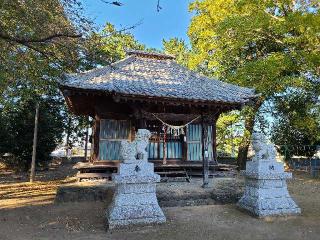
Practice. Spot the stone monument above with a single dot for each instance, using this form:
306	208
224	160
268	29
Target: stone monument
134	201
266	192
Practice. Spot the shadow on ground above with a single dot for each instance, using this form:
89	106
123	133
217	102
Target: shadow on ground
28	211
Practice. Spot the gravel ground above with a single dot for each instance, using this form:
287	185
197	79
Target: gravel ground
28	211
170	194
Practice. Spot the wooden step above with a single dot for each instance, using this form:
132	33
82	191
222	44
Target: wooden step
172	173
81	176
175	179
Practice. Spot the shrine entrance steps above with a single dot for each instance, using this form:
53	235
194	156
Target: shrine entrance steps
172	171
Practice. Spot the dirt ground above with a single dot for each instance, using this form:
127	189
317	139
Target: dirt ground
27	211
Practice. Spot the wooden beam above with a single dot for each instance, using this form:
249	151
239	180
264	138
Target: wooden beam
94	97
169	116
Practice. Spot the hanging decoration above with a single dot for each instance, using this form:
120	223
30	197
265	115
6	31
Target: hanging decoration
172	129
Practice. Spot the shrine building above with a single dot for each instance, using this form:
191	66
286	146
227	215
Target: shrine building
150	90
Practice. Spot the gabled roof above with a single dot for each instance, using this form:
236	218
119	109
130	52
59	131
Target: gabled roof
156	75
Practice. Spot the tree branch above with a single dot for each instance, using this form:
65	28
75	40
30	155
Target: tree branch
25	41
273	16
124	29
116	3
158	6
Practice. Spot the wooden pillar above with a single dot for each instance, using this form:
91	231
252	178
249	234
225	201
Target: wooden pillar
96	138
164	146
86	144
142	123
185	145
205	152
214	140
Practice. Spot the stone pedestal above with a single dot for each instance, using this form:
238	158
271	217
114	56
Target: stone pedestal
266	192
134	201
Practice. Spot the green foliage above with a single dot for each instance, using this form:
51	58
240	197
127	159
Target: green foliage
108	46
178	48
269	45
228	133
38	38
115	42
40	41
297	125
75	128
17	118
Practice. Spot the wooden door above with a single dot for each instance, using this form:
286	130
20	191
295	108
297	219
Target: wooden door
112	132
194	146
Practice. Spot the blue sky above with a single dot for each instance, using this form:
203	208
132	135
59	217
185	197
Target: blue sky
171	21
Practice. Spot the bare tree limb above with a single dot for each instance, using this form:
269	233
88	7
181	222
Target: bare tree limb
37	40
116	3
158	6
125	29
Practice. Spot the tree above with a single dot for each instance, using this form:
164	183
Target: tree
39	41
297	125
268	45
39	38
22	91
178	48
108	46
75	128
17	114
228	134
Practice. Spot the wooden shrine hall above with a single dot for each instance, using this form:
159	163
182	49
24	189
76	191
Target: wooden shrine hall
150	90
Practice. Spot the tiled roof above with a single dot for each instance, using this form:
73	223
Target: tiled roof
156	75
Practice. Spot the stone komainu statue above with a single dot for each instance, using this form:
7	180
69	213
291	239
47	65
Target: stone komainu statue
263	150
136	150
266	192
134	200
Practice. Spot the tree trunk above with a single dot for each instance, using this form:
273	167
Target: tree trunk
34	148
249	124
244	145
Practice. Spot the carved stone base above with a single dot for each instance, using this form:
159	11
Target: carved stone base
135	201
265	197
266	192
